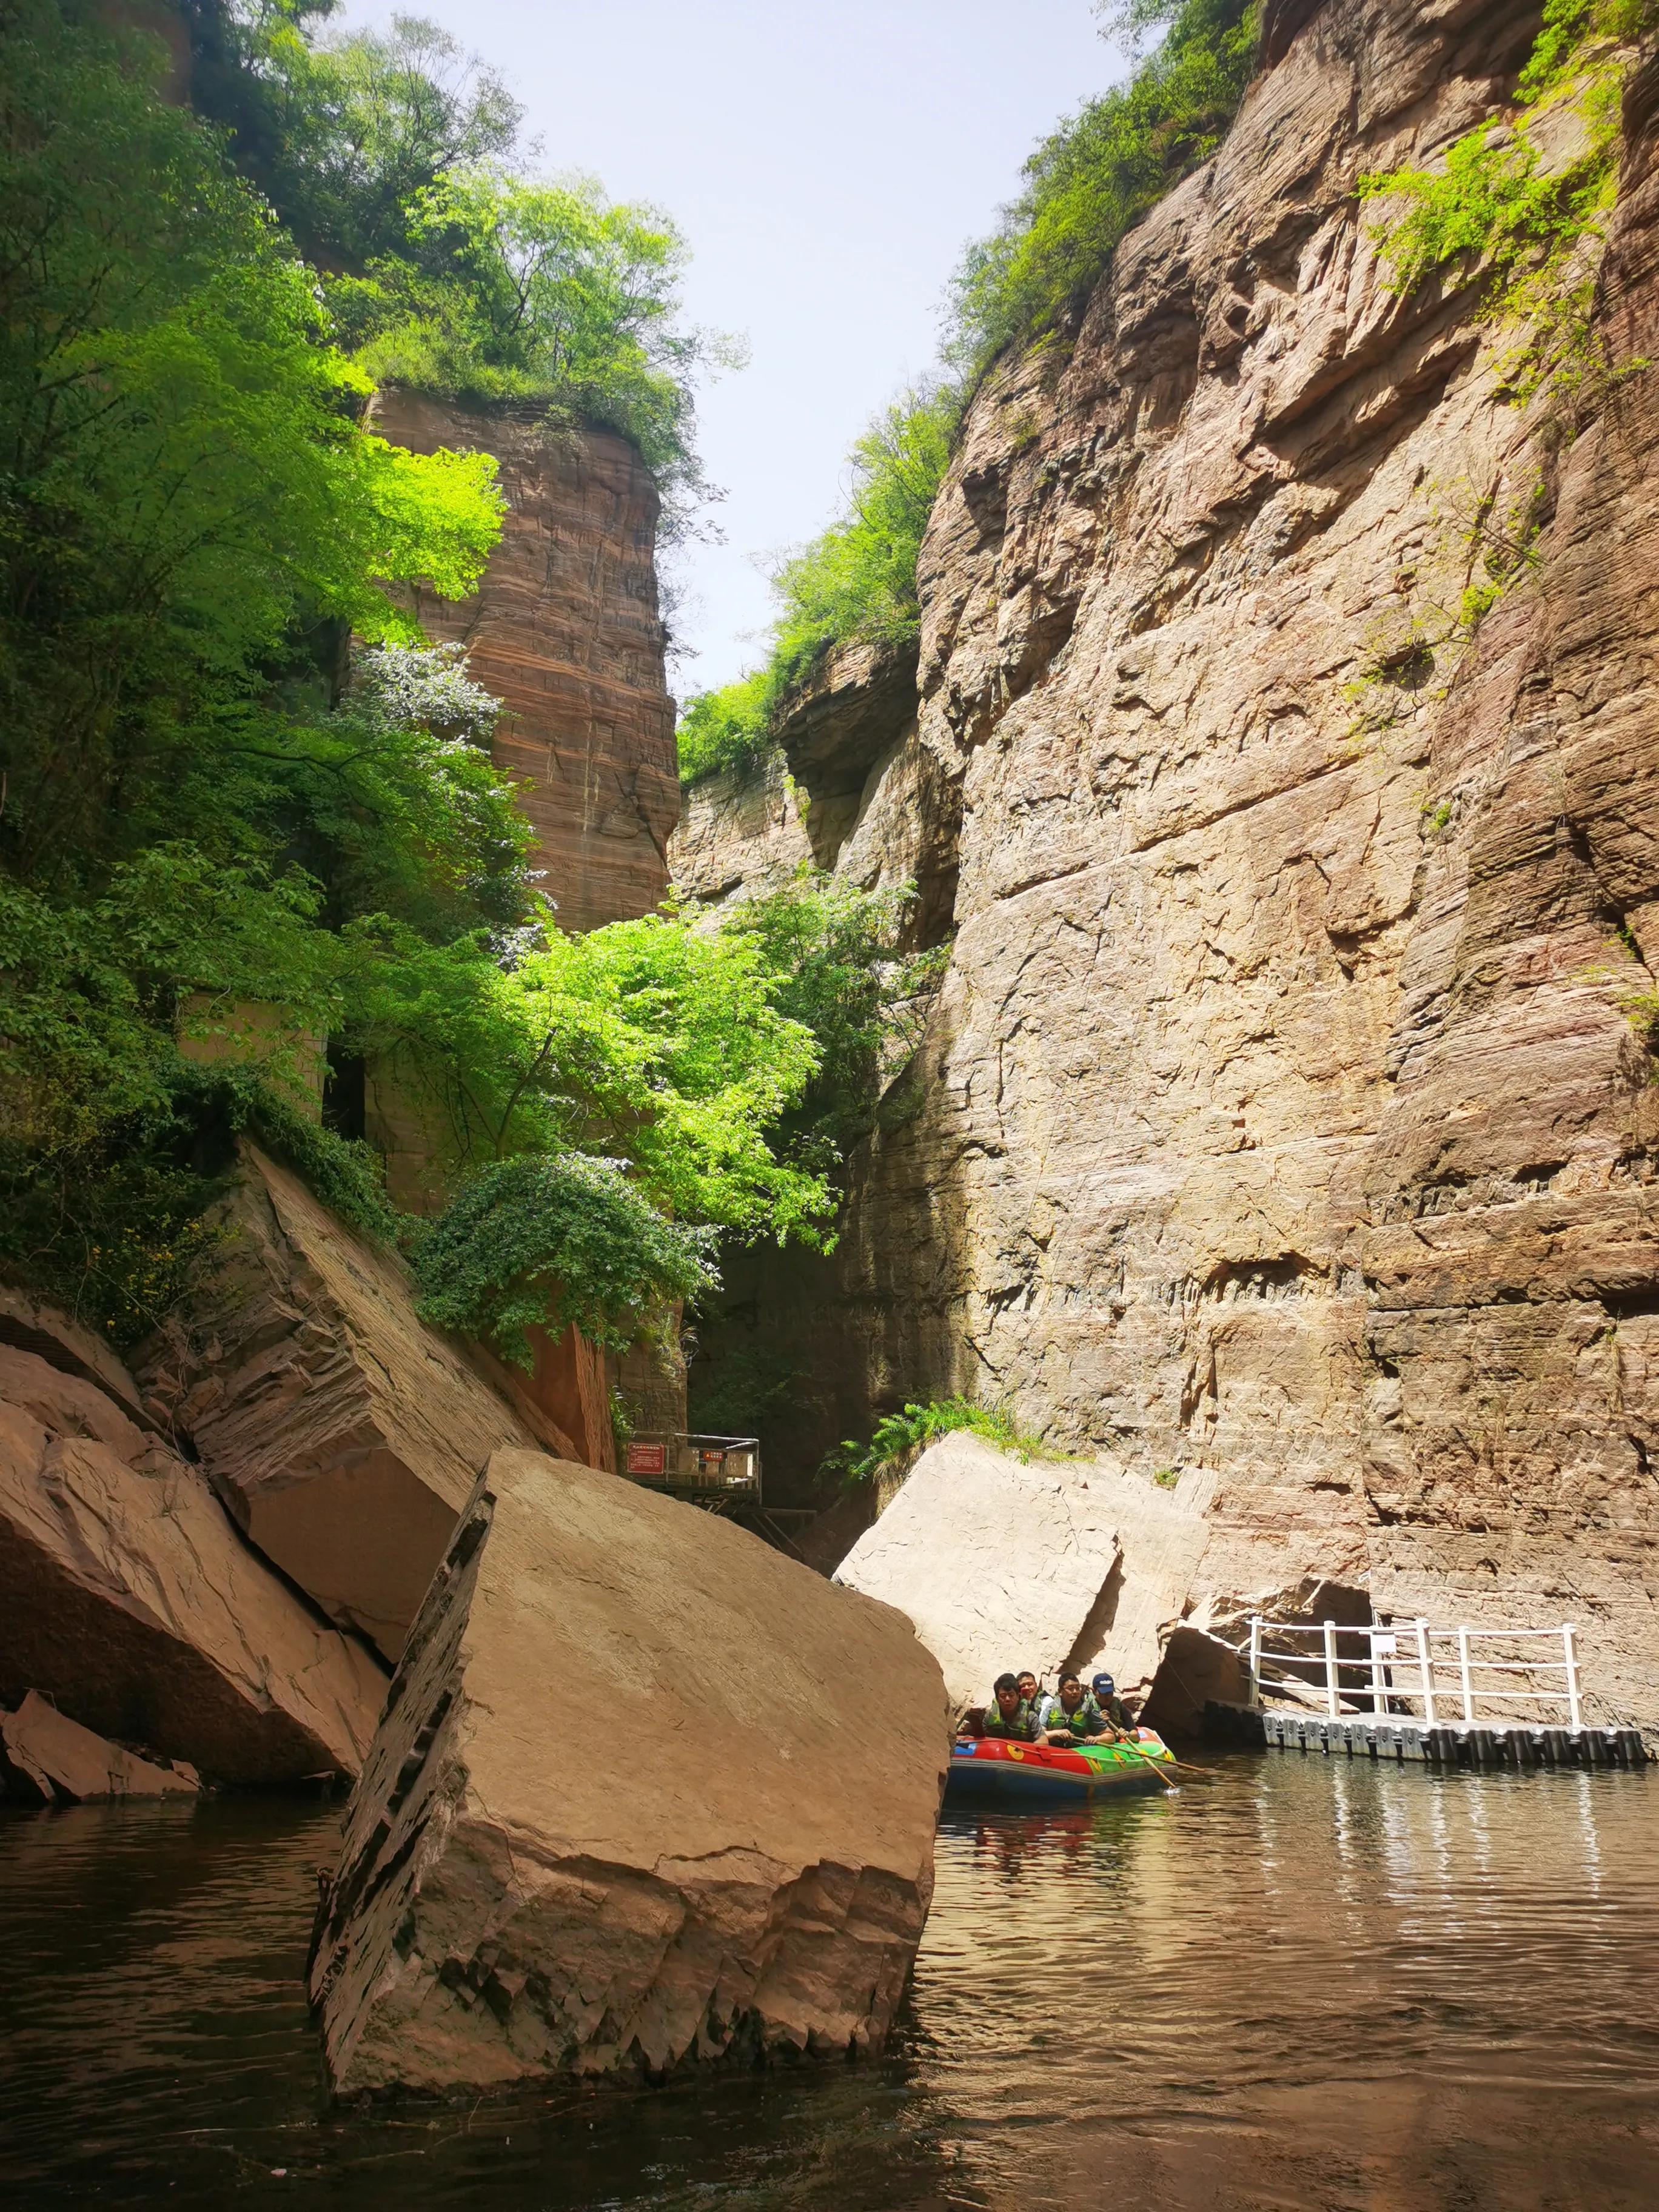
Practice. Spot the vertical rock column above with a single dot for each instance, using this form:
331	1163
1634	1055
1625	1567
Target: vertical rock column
564	628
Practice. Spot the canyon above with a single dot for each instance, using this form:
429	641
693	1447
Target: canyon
1283	1132
1274	1144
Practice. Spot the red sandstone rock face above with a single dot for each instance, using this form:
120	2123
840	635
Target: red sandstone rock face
128	1596
344	1434
1281	1123
50	1758
565	629
738	1863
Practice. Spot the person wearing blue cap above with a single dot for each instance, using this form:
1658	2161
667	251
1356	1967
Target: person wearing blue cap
1104	1692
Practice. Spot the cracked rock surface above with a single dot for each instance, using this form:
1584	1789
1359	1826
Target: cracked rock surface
343	1433
645	1794
130	1599
1286	1124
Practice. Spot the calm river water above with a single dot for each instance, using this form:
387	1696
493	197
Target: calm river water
1299	1985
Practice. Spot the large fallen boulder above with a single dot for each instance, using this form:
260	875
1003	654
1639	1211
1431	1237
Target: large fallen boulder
646	1793
130	1598
342	1432
999	1563
1002	1563
46	1756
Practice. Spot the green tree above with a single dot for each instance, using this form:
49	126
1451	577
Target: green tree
517	289
553	1238
184	477
650	1041
835	952
340	133
858	580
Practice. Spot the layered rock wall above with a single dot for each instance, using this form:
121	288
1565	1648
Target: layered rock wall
1283	1125
565	629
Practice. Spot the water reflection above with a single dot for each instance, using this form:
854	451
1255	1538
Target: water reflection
1304	1985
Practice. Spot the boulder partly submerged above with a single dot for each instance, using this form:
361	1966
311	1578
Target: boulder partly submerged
1001	1562
997	1563
646	1793
46	1757
128	1597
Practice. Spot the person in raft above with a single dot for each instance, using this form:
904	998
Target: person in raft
1030	1689
1105	1694
1075	1716
1012	1715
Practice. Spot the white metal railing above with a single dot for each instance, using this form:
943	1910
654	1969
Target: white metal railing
1406	1666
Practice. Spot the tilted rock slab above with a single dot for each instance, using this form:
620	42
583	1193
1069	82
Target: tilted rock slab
45	1755
646	1793
1002	1564
342	1432
129	1596
997	1564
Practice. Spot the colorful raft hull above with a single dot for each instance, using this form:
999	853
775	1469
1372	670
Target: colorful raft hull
988	1771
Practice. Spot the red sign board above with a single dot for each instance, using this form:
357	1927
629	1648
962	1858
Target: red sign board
647	1459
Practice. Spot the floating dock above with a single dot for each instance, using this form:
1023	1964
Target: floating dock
1518	1745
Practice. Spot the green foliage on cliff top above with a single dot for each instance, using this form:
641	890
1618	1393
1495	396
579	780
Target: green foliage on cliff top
728	728
448	266
1095	177
897	1435
1086	184
854	583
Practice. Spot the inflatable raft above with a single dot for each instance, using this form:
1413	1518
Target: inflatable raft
991	1771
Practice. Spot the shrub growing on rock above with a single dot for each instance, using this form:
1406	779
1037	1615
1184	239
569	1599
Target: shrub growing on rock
551	1239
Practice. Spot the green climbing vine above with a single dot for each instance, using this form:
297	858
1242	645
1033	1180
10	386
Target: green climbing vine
1530	226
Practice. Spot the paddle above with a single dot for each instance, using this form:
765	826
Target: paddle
1158	1768
1145	1761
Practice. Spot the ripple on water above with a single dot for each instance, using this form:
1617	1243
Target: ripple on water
1297	1985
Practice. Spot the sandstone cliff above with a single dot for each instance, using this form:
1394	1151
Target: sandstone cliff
565	629
1282	1126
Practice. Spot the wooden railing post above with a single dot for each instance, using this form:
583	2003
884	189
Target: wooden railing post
1256	1659
1463	1669
1332	1705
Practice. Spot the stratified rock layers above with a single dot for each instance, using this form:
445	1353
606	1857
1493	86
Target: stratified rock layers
646	1792
1282	1124
344	1434
565	629
129	1598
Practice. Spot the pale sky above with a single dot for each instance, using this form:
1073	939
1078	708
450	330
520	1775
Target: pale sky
827	165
